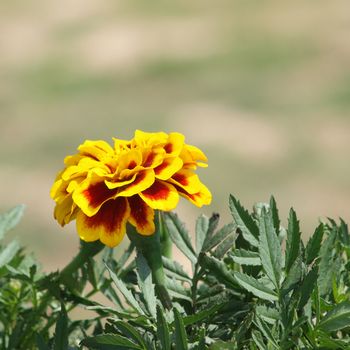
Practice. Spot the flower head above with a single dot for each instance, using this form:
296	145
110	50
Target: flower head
105	187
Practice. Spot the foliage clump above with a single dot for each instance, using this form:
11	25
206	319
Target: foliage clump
254	285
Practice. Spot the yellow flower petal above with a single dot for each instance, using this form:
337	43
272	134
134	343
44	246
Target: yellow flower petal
174	144
196	153
168	168
161	195
73	184
87	163
187	180
85	232
96	149
73	160
72	171
83	167
153	157
202	197
92	193
141	216
115	184
64	211
129	173
193	157
108	225
59	190
121	145
144	139
143	180
129	160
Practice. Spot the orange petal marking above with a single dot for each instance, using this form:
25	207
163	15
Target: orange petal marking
141	216
97	194
129	160
202	197
153	158
108	225
91	194
174	144
161	195
187	180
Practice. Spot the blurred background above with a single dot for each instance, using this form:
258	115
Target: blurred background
263	87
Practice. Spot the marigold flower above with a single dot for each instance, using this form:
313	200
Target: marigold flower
105	187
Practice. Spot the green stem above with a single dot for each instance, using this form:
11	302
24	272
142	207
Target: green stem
150	247
87	251
165	240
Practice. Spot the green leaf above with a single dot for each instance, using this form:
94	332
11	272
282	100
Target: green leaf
202	226
177	290
314	244
9	253
105	310
245	257
218	270
225	246
126	255
202	315
144	275
180	332
109	342
219	237
307	287
275	216
130	332
180	236
299	322
344	233
10	219
255	287
336	319
61	331
125	291
328	343
293	240
40	343
268	314
258	340
222	345
163	330
92	271
266	331
15	338
201	340
174	269
328	265
208	293
294	276
213	224
244	222
107	289
270	249
316	303
142	320
243	328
